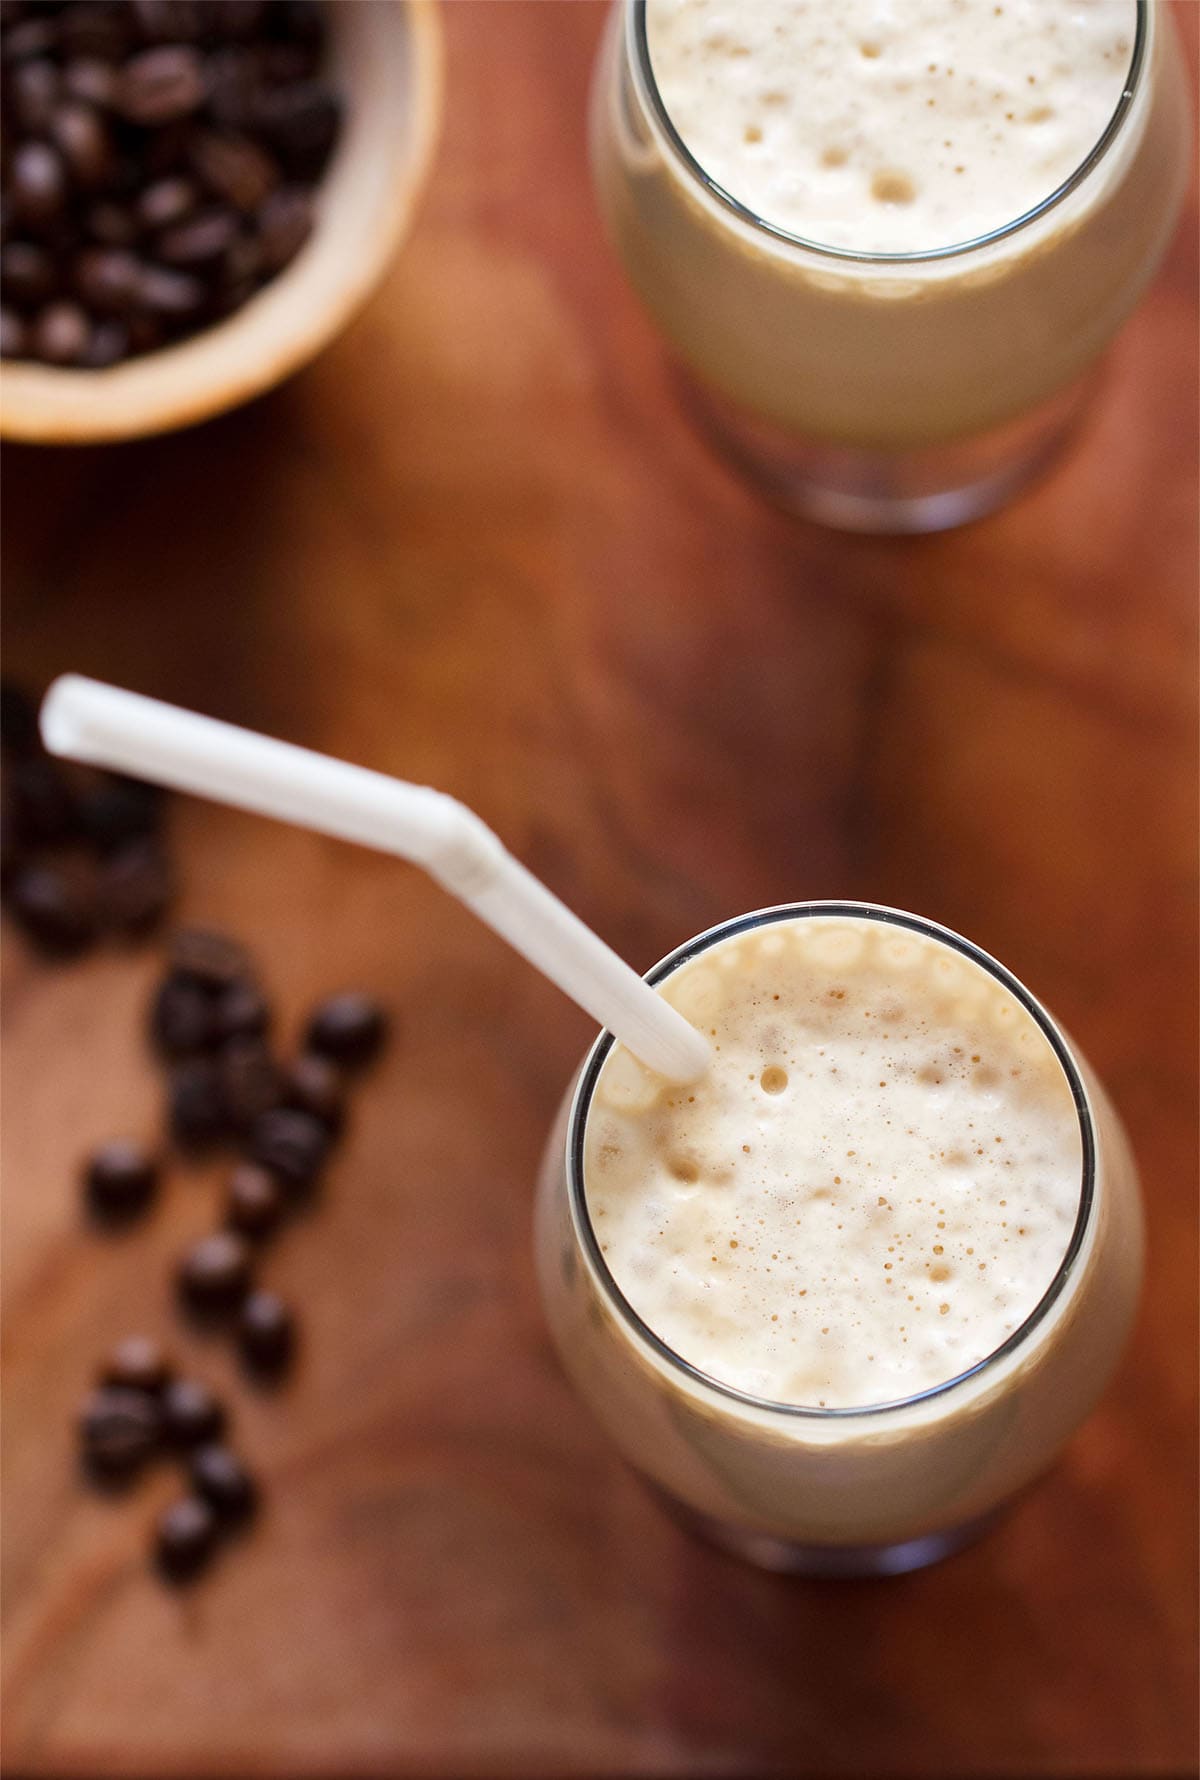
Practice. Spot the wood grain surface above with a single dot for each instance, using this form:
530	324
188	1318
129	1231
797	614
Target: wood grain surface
478	545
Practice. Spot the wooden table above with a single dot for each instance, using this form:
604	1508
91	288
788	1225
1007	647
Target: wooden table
478	545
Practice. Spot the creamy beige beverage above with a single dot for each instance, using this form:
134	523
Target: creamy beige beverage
868	127
888	127
871	1189
849	1293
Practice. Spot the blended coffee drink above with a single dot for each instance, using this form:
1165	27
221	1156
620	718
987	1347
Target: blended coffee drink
890	230
846	1293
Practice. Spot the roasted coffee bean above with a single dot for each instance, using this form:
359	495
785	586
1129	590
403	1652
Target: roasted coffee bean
52	910
108	279
98	30
224	1482
249	1079
350	1028
215	1274
208	957
43	808
266	1333
14	335
243	265
38	182
35	90
313	1085
120	1179
119	1430
32	36
240	1011
134	887
234	169
167	201
18	720
167	21
60	333
200	240
279	64
108	344
181	1017
185	1538
285	223
116	809
192	1415
27	275
93	80
255	1203
137	1364
161	85
172	296
238	19
300	123
292	1145
81	137
111	224
199	1116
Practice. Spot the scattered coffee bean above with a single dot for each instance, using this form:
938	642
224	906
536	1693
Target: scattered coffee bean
27	275
300	121
285	223
199	1114
250	1081
192	1415
107	345
120	1179
215	1274
81	137
234	168
14	335
40	802
224	1482
266	1333
120	1429
161	85
18	720
255	1201
171	295
137	1364
60	333
116	810
111	224
350	1028
38	182
313	1085
200	240
34	91
167	202
185	1538
108	279
212	958
181	1017
52	910
241	1011
30	36
93	80
134	888
292	1145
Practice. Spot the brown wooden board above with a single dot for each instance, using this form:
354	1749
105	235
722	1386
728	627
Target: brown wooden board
478	545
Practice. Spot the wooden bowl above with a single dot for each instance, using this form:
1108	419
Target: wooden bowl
387	61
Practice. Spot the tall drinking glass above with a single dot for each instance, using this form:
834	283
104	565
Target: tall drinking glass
888	391
872	1487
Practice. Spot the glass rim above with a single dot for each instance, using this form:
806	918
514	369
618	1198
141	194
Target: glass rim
692	948
637	35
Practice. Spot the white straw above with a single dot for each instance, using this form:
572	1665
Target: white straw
87	720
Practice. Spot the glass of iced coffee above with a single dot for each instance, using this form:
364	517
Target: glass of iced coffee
888	244
842	1298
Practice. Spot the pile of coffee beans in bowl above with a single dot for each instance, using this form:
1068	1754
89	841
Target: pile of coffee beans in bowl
159	161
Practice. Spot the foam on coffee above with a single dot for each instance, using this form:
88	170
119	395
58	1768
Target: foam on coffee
884	127
872	1188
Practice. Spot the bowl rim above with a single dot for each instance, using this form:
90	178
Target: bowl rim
188	393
